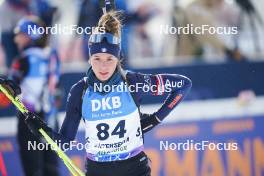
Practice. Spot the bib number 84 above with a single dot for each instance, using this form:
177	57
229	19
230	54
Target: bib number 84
103	130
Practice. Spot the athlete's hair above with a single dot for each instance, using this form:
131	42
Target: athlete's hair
111	22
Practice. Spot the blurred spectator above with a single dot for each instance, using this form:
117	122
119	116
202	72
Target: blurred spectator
251	39
43	9
215	13
36	70
11	11
140	40
88	16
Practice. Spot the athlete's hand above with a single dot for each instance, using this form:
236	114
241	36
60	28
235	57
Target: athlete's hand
148	121
35	123
10	85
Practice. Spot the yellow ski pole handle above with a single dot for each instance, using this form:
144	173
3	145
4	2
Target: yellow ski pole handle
67	161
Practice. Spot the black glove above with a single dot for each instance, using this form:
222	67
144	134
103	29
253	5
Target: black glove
10	85
34	123
148	121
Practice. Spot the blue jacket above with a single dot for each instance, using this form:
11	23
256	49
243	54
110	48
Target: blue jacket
177	85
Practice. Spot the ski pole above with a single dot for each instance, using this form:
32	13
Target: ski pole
67	161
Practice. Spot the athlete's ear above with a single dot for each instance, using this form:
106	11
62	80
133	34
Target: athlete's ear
89	61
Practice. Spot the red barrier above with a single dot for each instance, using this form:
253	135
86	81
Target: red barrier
2	166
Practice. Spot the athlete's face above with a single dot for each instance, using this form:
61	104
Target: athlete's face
22	40
103	65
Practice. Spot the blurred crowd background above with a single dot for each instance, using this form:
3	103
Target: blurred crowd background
142	39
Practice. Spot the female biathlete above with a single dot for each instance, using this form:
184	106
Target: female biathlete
114	125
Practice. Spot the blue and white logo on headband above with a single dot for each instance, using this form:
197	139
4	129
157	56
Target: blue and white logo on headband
104	50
